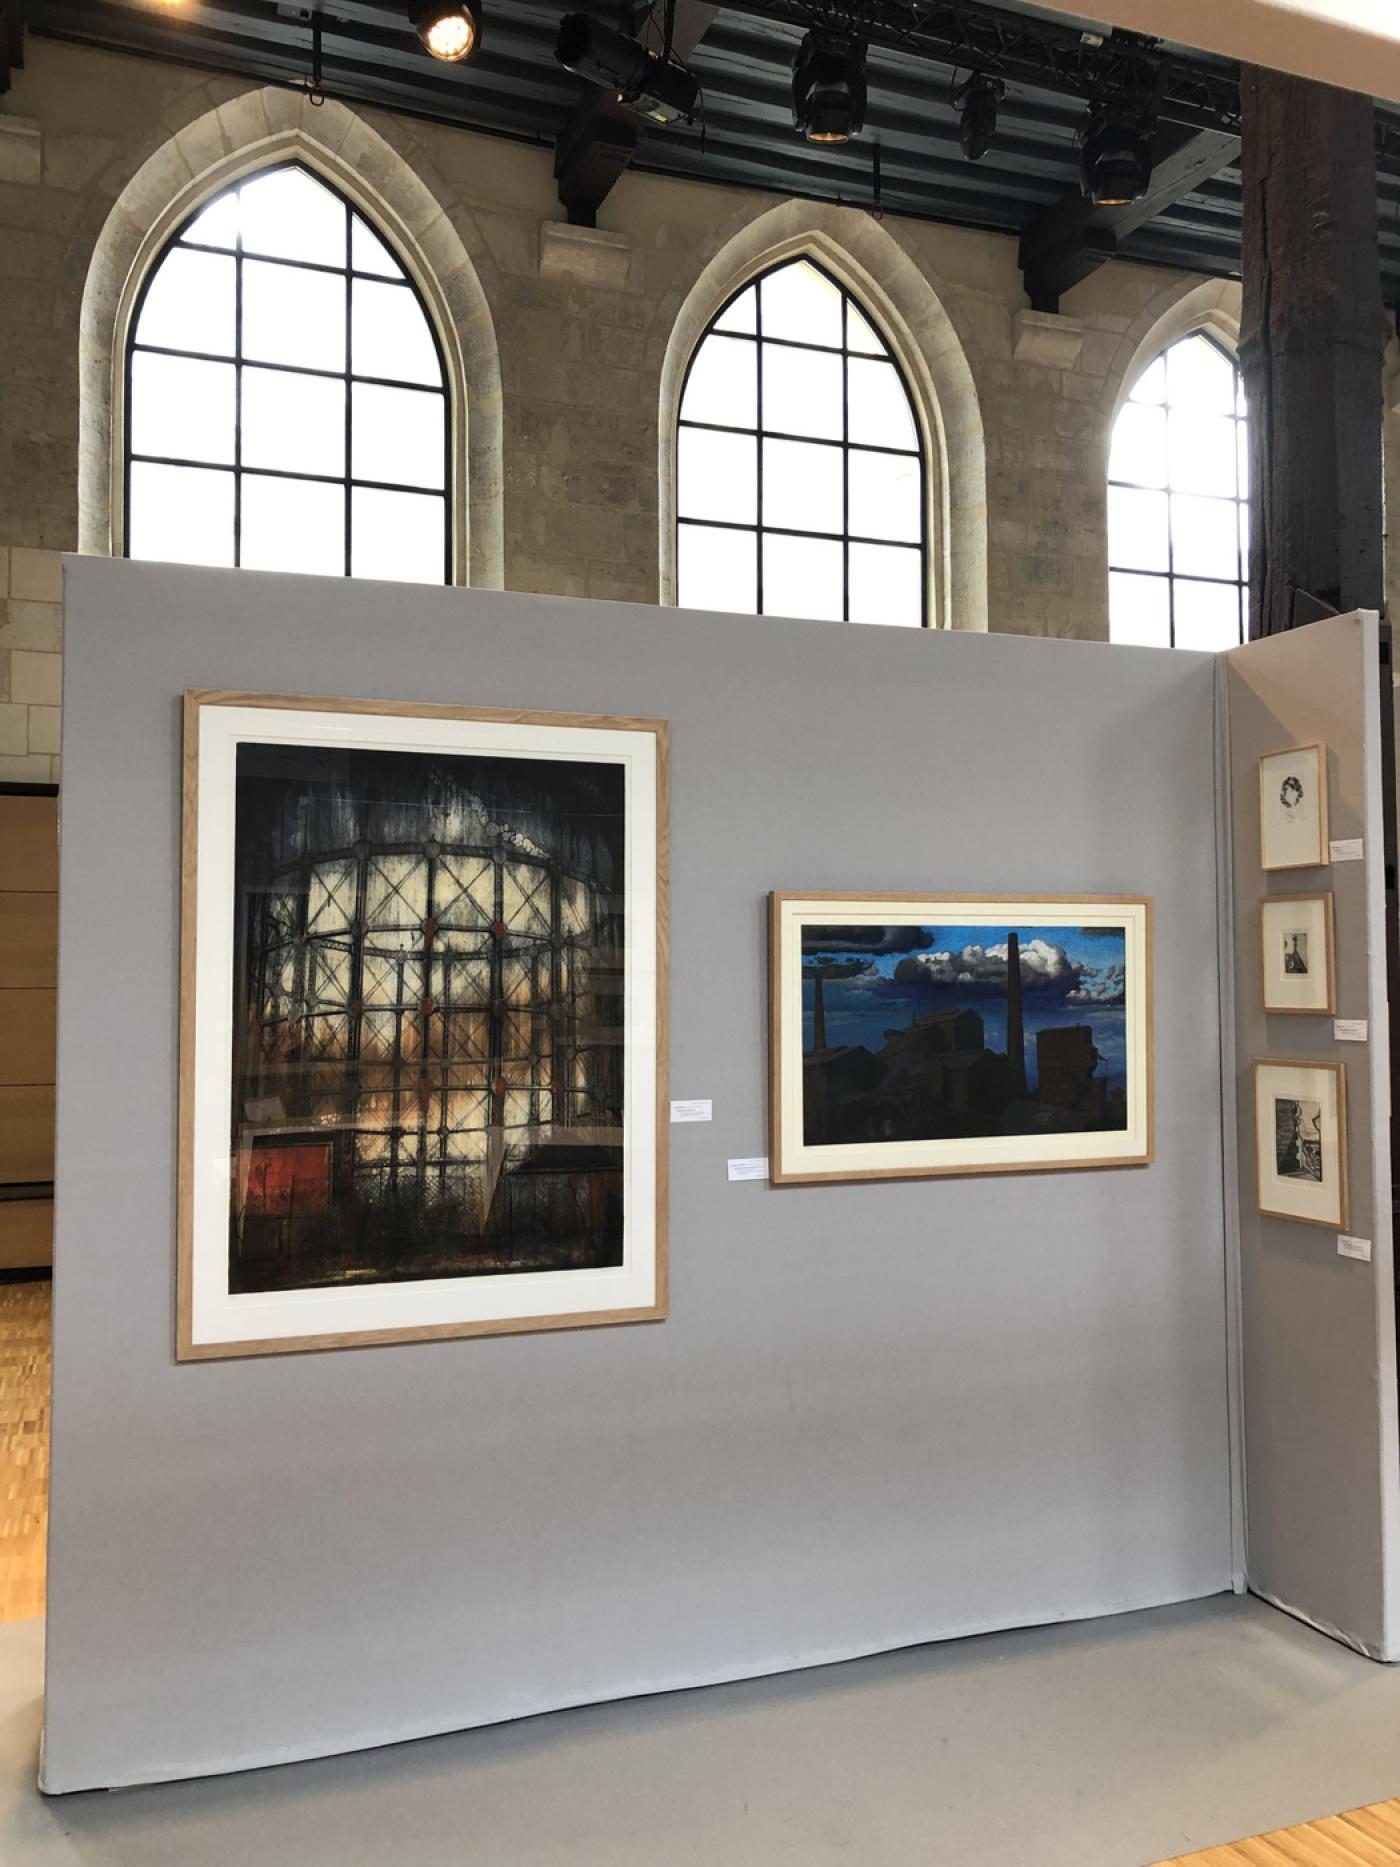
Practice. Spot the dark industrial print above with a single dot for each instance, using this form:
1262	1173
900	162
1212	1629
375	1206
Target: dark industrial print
917	1033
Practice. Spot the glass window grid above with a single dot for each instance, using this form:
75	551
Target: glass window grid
347	480
845	537
1238	501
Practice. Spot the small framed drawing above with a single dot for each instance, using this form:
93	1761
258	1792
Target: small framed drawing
1293	808
1301	1142
422	1023
1296	953
915	1035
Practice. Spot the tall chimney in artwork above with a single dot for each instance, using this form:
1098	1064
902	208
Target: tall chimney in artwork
1015	1020
818	1011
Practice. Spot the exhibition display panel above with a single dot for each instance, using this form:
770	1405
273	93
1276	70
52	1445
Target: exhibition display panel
960	1353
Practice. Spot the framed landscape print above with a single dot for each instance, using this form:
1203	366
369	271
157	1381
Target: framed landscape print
1293	808
423	1023
1300	1142
914	1035
1296	953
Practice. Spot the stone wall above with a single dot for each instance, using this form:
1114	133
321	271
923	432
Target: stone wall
567	343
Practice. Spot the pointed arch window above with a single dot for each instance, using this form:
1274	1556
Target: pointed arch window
1178	503
286	399
800	470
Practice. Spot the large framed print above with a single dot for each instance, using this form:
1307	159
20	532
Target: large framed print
1293	808
1296	953
423	1023
914	1035
1300	1142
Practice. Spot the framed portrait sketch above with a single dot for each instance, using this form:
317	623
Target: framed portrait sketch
1300	1142
914	1035
1296	953
422	1023
1293	808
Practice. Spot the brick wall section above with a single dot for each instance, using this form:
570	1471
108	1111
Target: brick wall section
31	664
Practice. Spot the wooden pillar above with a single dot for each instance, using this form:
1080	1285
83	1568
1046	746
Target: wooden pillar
1311	349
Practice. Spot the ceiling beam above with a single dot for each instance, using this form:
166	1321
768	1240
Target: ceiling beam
1072	237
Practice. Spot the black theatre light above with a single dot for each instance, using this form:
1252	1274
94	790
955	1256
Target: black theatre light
450	29
1115	162
977	99
828	87
657	87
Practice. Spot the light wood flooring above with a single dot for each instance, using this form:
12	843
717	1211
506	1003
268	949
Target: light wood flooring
25	1363
1360	1838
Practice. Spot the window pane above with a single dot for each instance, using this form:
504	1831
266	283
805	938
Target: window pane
294	423
190	303
717	569
887	585
1205	537
885	496
217	224
1200	377
802	391
180	515
181	408
880	414
861	334
1242	463
290	215
368	253
1137	529
1207	614
398	434
1139	610
742	314
723	384
391	334
1201	452
292	316
399	536
1139	451
803	577
717	475
1151	386
292	525
801	304
802	486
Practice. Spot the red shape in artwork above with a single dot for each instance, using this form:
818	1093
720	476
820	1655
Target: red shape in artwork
287	1180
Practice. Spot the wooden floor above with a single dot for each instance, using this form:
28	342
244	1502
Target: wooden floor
25	1363
1361	1838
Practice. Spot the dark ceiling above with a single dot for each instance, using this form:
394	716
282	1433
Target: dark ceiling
743	62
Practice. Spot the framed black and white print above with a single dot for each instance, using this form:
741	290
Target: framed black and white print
1293	808
1296	953
423	1023
1300	1142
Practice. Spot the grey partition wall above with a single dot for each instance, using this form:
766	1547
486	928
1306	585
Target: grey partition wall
878	1414
1322	1450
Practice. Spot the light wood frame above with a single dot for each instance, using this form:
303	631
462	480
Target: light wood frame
781	1174
1320	859
1338	1070
186	1349
1330	946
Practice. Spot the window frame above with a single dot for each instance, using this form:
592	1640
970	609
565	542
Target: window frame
1241	504
176	237
845	538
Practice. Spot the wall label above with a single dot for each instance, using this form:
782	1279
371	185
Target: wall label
749	1169
1359	1248
1350	849
692	1111
1350	1030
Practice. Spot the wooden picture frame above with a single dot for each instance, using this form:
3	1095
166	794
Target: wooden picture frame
1300	1142
891	1070
577	957
1293	808
1297	955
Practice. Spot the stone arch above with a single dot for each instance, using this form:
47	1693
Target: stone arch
256	130
912	312
1211	305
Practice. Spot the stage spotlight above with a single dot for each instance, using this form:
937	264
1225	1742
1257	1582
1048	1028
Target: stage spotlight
655	86
977	99
450	29
828	87
1115	162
